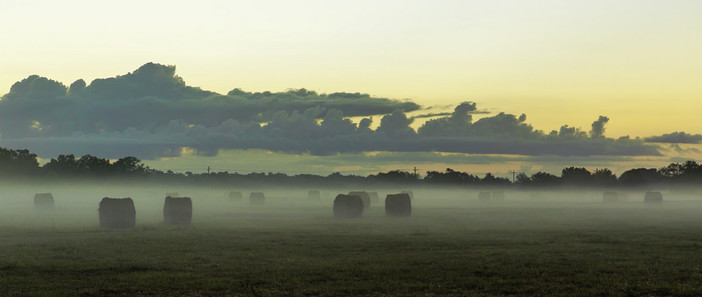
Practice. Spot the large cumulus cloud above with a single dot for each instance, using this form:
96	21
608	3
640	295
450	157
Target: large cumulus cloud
152	113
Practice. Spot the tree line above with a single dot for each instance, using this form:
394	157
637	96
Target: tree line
23	164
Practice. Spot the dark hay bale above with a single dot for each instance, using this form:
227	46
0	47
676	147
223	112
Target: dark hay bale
610	196
364	197
43	201
257	198
498	196
177	211
484	196
314	195
374	198
398	205
236	196
348	206
410	193
117	213
653	197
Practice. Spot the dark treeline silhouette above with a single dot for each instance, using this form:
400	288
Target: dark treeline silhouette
22	164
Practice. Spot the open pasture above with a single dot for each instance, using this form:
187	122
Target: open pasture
452	245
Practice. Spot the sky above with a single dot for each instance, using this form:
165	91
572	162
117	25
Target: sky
558	62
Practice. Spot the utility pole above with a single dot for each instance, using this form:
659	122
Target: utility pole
208	169
513	173
415	172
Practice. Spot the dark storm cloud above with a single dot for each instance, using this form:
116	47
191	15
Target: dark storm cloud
151	113
151	97
676	137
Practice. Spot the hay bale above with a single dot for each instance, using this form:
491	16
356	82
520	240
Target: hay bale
374	198
43	201
653	197
314	195
257	198
177	211
348	206
484	196
410	193
117	213
235	196
398	205
364	197
498	196
610	196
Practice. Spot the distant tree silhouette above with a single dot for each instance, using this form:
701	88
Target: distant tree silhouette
576	177
604	178
544	179
450	176
18	162
640	177
686	172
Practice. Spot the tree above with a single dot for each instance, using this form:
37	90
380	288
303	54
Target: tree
576	176
604	177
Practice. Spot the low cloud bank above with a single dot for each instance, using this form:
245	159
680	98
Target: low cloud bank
676	137
151	113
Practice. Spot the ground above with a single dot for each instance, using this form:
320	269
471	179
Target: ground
461	247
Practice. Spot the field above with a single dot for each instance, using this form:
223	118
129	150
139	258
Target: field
453	245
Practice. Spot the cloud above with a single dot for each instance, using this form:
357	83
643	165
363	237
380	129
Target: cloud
152	113
151	97
676	137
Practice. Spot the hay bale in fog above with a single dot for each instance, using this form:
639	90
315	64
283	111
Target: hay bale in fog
410	193
398	205
257	198
177	211
235	196
364	197
610	196
43	201
117	213
484	196
653	197
498	196
374	198
348	206
314	195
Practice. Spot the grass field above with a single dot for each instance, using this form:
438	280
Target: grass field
293	247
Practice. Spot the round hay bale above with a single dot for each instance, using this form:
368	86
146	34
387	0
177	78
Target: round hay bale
177	211
364	197
314	195
653	197
236	196
610	196
117	213
257	198
398	205
498	196
43	201
348	206
484	196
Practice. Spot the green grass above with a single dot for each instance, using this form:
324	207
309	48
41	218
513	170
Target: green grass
478	250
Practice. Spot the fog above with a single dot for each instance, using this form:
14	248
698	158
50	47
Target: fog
76	205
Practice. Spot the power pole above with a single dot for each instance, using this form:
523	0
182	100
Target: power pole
513	173
208	169
415	172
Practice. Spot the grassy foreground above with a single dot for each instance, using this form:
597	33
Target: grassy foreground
479	250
